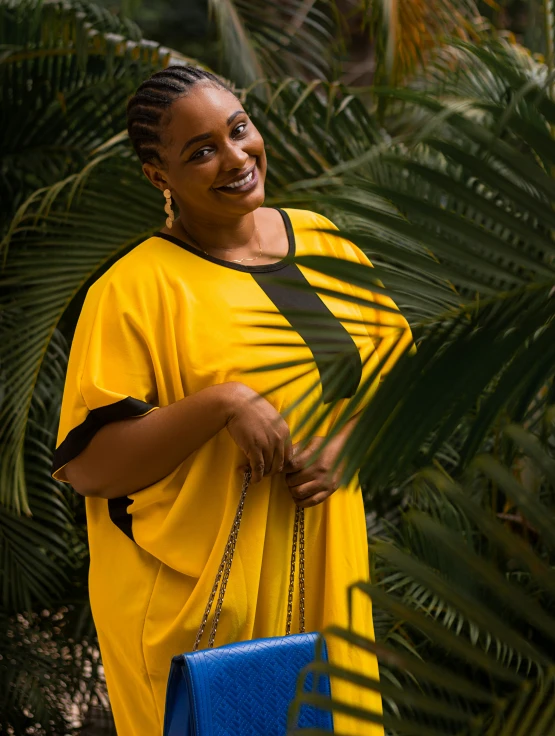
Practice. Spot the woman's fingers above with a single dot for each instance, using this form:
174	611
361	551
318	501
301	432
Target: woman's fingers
314	500
298	470
258	464
277	462
288	452
310	494
280	440
299	477
262	434
266	448
304	490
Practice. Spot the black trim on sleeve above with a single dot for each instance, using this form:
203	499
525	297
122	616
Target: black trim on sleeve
335	352
79	437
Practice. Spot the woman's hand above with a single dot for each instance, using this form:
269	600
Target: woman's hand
311	484
259	431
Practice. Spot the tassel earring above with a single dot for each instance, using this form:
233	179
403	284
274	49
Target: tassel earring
168	209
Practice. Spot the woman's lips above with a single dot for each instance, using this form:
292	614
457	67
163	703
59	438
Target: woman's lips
252	181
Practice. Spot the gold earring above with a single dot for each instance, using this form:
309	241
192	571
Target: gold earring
168	209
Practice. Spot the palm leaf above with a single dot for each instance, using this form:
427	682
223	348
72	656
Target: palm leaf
475	216
52	679
274	39
408	33
66	72
463	562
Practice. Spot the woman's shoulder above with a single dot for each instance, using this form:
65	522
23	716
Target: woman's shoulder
320	235
131	278
308	219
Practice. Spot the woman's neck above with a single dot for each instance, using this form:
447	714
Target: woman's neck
219	238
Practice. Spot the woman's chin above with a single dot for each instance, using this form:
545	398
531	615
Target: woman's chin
248	202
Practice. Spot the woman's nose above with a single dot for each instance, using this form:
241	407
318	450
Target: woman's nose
235	157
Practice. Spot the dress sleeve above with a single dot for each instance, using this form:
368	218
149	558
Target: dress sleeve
110	374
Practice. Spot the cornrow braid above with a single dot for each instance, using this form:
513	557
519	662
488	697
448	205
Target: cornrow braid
152	101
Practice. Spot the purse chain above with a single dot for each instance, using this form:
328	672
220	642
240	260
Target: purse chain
225	567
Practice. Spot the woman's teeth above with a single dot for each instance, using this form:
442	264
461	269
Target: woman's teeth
239	183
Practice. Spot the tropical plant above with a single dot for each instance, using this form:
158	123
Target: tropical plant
407	35
457	220
269	39
467	596
452	201
66	72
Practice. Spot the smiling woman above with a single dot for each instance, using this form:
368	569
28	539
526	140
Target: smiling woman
220	169
161	412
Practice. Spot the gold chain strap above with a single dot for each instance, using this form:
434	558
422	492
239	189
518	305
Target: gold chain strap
225	568
298	533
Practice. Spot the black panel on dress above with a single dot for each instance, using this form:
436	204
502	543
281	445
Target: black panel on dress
334	350
117	508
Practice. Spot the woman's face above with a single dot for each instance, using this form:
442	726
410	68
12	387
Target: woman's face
208	143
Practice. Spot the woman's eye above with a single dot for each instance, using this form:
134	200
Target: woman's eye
198	153
236	131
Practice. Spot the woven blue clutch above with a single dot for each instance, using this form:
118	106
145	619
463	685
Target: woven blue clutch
246	688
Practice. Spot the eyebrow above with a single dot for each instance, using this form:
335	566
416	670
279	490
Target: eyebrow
205	136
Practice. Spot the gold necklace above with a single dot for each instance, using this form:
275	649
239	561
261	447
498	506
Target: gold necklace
234	260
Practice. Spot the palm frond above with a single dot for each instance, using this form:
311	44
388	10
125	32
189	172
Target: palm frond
52	679
407	34
458	224
275	39
484	663
66	72
39	554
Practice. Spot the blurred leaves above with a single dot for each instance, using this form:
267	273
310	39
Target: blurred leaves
267	38
408	33
66	71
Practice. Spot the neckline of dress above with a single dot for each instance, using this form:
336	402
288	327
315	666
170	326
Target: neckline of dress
239	266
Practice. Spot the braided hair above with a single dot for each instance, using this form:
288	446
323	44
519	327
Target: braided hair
153	99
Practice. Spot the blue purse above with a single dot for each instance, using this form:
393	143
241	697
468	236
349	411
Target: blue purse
246	688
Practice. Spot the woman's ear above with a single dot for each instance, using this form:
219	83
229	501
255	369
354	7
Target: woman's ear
155	176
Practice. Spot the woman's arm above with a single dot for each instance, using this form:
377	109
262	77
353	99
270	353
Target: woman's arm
131	454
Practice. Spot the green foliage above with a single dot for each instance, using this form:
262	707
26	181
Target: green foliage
450	195
408	34
267	38
470	597
66	72
48	677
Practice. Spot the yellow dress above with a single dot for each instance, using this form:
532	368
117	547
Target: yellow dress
164	322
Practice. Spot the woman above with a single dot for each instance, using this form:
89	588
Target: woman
160	413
